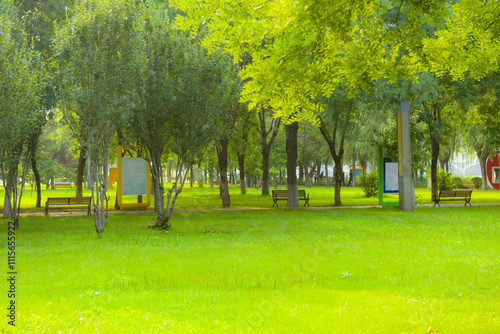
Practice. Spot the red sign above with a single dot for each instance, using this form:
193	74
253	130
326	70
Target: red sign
492	172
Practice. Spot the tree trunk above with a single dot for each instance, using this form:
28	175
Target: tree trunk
307	176
354	167
191	176
241	164
291	165
79	173
318	171
265	169
157	187
326	173
169	171
37	182
434	165
301	172
223	184
266	145
7	201
483	157
53	183
338	179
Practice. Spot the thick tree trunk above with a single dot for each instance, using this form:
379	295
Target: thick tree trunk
223	184
241	165
37	182
338	179
291	165
483	157
434	165
79	173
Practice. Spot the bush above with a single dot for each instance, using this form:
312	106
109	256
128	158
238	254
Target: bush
445	181
458	183
369	182
478	182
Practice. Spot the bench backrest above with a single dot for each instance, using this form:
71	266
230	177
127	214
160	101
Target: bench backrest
463	193
455	193
69	200
280	193
284	193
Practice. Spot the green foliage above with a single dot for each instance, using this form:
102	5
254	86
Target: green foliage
445	180
457	183
478	181
369	182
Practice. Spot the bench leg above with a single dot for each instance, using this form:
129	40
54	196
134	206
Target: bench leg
275	200
436	202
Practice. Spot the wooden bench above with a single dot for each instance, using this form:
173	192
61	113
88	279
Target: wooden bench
279	195
469	184
63	185
68	203
454	195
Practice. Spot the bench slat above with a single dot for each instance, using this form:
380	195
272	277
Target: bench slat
68	203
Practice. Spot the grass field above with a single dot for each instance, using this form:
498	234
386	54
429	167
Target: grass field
372	270
208	198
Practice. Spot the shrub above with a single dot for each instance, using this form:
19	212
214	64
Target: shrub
369	182
445	181
478	182
458	183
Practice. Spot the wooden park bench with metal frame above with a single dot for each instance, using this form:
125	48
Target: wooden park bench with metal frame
279	195
454	195
68	203
469	184
63	185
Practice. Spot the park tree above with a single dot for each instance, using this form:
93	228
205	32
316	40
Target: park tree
96	62
268	128
181	90
335	122
21	111
310	145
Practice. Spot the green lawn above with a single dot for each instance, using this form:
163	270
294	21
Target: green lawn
208	198
304	271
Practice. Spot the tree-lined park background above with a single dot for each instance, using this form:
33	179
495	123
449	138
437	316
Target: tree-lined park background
228	100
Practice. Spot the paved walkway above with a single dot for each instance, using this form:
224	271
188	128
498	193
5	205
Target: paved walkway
112	212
